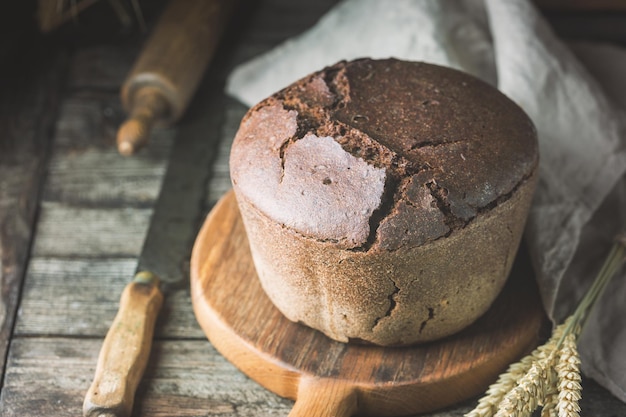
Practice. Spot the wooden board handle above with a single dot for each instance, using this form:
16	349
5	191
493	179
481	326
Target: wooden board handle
319	397
125	350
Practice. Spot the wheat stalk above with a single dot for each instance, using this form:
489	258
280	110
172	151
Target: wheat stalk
524	398
550	375
569	378
552	396
488	405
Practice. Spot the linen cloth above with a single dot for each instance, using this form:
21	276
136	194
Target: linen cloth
574	93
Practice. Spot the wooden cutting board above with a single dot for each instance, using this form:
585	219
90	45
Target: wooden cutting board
328	378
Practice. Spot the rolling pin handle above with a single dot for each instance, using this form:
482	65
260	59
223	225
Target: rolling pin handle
148	108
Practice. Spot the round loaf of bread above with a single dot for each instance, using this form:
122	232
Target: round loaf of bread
384	200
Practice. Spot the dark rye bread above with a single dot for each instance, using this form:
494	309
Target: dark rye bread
384	200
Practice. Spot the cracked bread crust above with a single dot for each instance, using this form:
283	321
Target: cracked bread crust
358	178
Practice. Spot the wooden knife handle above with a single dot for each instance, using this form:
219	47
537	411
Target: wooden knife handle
125	350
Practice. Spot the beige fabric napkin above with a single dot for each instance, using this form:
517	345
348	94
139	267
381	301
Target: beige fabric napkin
576	96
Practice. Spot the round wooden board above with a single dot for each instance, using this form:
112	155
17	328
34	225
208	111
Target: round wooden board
331	378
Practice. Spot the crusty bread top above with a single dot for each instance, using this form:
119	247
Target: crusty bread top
382	154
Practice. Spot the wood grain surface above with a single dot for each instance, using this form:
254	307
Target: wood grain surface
28	108
302	364
59	112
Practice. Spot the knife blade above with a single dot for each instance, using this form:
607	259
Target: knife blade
161	266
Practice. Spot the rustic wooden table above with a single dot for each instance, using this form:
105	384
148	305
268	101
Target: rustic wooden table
73	214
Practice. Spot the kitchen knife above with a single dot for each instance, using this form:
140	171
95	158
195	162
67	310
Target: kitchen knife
162	262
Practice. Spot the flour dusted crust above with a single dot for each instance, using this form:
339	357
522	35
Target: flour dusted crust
384	200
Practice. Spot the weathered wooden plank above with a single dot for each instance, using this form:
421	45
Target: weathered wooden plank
79	297
102	67
103	178
89	119
93	220
49	376
30	84
65	231
86	169
76	297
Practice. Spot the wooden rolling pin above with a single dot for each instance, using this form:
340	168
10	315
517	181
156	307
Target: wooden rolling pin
165	76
